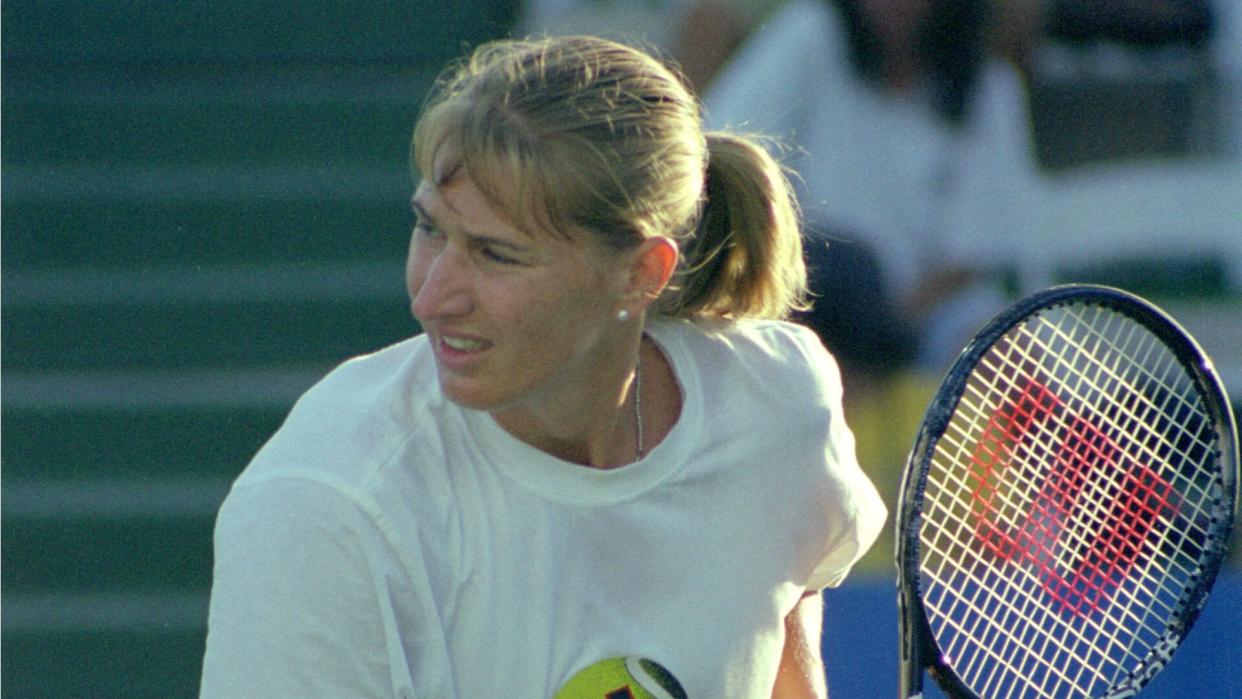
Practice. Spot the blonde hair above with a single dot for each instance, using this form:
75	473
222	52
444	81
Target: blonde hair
584	134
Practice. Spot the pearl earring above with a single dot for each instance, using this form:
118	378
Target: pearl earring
623	315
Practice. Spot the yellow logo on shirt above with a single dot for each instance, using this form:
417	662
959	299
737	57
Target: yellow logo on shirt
623	678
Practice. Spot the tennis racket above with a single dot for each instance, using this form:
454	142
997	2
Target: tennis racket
1067	504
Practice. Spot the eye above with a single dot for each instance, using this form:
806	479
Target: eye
423	229
492	254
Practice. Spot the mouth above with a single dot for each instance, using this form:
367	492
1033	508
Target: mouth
459	351
463	344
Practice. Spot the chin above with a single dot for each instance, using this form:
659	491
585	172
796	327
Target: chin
468	394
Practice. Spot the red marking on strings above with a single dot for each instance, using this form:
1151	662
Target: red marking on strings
1079	450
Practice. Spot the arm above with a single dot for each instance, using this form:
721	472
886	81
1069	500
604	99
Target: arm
299	598
801	672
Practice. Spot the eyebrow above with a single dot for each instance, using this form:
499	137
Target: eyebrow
474	237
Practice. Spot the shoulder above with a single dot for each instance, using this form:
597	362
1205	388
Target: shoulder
349	425
361	455
774	342
368	434
362	380
784	339
769	355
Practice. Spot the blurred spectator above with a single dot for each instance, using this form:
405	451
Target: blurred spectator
915	156
1133	22
912	138
911	135
1227	60
1021	26
699	35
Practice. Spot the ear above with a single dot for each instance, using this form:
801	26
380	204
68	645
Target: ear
651	268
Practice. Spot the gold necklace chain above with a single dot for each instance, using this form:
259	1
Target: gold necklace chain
638	402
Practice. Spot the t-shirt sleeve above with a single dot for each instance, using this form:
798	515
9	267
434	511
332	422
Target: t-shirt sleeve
309	600
853	509
857	523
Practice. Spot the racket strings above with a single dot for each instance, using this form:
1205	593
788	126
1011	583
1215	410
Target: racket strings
1072	496
1061	578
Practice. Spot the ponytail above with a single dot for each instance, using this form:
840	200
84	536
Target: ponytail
745	258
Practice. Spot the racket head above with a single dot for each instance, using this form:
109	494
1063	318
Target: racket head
1004	588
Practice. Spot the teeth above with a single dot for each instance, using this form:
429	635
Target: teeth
463	345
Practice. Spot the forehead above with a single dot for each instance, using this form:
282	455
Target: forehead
520	194
459	202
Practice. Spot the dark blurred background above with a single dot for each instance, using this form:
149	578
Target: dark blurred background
204	209
205	206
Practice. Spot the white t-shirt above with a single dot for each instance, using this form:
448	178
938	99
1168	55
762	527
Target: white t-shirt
387	542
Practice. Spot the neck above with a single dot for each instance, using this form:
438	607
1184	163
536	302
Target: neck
595	424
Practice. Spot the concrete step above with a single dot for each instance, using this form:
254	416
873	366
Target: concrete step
224	316
113	117
229	31
205	209
201	335
64	442
254	224
109	537
136	644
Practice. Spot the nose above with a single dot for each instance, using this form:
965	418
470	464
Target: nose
439	284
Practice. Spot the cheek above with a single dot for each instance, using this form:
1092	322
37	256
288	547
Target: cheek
415	271
573	319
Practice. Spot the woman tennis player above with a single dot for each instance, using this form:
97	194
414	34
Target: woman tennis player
606	465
